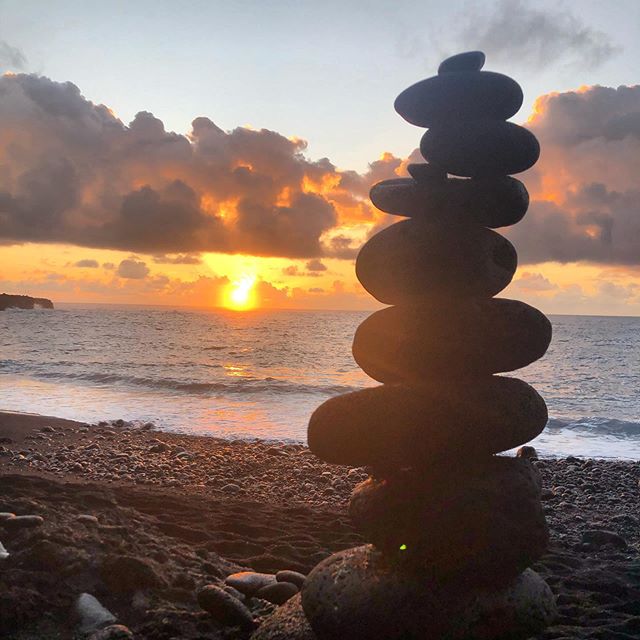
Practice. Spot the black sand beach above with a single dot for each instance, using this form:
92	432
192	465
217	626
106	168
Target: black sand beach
194	509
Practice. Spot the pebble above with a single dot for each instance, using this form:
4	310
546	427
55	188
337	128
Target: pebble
87	519
91	614
112	632
295	577
4	554
482	148
467	61
278	592
528	452
357	594
22	522
491	202
248	582
411	261
231	488
224	607
6	515
478	522
461	96
449	339
599	538
403	425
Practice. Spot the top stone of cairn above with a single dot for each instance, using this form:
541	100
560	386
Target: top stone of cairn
468	61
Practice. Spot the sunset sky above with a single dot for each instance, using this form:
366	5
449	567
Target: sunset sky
221	153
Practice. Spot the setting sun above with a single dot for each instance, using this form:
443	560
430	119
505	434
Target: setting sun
240	294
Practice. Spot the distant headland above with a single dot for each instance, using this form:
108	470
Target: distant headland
8	301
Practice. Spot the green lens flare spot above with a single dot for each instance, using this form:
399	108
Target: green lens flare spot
403	547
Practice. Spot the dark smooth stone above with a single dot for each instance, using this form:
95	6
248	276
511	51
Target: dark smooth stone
288	622
412	260
422	172
491	202
460	96
224	608
248	582
480	522
295	577
400	426
481	148
357	594
278	592
467	61
451	339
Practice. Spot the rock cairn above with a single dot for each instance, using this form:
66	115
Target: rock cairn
453	526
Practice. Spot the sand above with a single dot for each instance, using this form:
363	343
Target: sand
196	509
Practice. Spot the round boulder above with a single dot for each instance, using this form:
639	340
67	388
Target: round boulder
480	148
460	96
413	260
358	594
491	202
398	426
455	338
480	522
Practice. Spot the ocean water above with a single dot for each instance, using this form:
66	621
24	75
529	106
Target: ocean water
260	374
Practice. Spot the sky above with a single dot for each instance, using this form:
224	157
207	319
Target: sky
221	153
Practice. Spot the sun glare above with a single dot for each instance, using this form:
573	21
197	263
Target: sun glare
240	294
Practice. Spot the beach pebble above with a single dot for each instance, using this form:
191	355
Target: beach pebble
112	632
357	594
467	61
598	538
91	614
87	519
231	488
224	608
413	260
528	452
47	429
491	202
460	96
22	522
277	593
6	515
4	554
248	582
288	622
482	519
295	577
127	574
480	148
463	337
392	426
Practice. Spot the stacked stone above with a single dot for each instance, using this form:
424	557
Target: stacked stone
453	526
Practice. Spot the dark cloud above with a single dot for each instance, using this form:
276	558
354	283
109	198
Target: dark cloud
177	259
11	57
109	266
291	270
132	269
536	37
87	263
315	265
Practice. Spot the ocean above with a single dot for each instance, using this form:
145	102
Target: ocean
260	374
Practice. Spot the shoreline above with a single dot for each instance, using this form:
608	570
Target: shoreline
200	507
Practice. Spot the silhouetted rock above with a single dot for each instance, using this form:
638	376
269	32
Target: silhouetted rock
467	61
396	426
224	608
8	301
426	173
278	592
413	260
457	338
491	202
460	96
527	452
480	148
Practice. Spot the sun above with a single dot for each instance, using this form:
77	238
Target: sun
240	294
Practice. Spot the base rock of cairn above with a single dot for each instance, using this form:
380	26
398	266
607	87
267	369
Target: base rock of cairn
453	526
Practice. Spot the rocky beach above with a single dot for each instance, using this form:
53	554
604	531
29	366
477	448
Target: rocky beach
144	520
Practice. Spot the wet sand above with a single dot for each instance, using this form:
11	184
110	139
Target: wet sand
199	508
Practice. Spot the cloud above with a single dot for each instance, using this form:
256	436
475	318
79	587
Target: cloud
177	259
109	266
585	191
11	57
536	37
132	269
533	282
74	173
87	264
315	265
291	270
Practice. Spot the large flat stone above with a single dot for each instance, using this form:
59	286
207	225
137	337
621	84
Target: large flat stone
491	202
481	148
450	339
357	594
464	95
396	426
412	261
480	521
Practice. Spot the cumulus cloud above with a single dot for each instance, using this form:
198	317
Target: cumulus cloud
87	263
132	269
535	36
315	265
178	259
74	173
585	190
